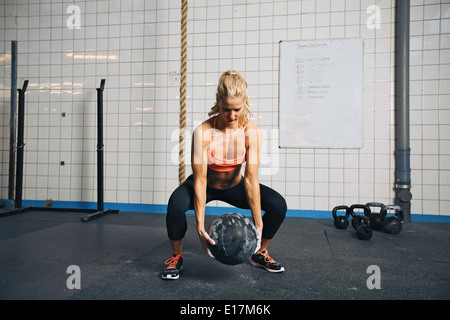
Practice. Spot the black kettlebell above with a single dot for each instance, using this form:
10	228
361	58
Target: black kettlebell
355	222
341	221
375	220
361	223
392	224
363	231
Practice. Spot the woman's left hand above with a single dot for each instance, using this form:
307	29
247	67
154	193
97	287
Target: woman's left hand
258	238
204	239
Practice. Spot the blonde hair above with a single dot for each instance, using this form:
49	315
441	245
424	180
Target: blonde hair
232	85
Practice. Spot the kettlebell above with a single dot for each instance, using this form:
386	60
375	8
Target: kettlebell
375	217
361	223
392	224
340	221
355	222
363	231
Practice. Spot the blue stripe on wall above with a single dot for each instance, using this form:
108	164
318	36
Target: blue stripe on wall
159	208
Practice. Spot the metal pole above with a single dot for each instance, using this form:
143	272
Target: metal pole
12	125
100	205
20	145
100	146
403	172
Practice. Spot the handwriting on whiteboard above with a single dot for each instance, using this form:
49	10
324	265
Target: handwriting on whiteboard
312	75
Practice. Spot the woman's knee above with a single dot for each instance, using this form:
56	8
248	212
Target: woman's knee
176	223
275	208
283	205
179	202
272	201
177	205
181	199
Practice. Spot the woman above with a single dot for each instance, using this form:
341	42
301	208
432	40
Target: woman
220	146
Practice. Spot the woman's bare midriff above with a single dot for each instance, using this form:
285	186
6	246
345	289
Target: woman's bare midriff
223	180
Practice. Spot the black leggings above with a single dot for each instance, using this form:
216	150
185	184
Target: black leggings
182	200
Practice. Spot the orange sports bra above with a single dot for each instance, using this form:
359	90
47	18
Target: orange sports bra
221	157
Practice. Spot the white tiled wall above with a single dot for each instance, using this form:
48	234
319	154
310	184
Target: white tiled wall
135	46
430	105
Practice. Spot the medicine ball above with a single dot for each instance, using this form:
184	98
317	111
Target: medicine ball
235	238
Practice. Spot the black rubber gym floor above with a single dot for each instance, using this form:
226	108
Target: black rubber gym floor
120	256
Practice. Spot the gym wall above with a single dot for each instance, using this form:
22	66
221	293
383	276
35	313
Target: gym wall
66	47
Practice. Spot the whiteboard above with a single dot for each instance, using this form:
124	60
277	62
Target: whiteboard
320	94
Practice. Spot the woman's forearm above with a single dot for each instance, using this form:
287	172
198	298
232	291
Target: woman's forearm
200	204
252	191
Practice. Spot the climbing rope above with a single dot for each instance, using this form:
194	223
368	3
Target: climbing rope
182	142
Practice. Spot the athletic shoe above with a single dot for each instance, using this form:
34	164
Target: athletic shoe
263	260
174	266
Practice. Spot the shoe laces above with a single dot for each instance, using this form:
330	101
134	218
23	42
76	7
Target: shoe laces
267	258
172	262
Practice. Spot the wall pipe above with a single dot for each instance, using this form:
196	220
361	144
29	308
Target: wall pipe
402	186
